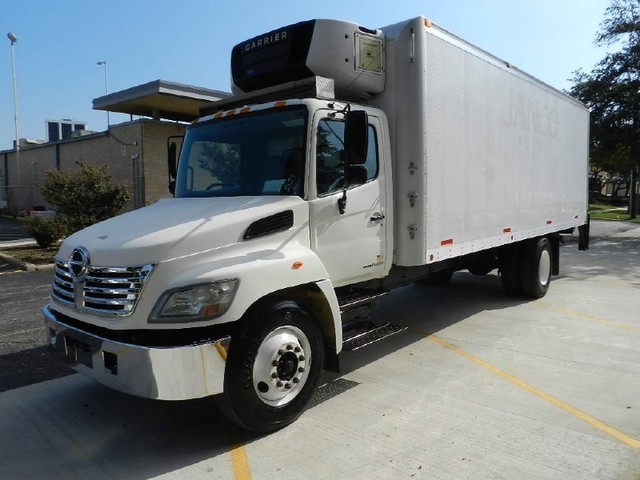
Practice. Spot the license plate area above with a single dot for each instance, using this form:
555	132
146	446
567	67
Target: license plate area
77	351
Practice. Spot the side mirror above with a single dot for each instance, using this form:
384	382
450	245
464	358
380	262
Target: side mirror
358	175
356	140
172	161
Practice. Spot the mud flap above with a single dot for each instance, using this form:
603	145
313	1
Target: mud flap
583	235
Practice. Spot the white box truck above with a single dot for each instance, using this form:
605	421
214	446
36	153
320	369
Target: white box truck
348	161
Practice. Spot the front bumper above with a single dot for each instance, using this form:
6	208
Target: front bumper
165	373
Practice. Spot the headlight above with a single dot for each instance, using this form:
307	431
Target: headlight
195	302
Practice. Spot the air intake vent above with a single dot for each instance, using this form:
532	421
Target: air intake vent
268	225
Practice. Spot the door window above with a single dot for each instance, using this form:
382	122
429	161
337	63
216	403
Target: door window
330	156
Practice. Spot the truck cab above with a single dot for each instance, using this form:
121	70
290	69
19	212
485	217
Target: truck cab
297	148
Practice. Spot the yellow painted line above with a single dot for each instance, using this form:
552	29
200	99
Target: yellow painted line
577	313
615	282
239	460
585	417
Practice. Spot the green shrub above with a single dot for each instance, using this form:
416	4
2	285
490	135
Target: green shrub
46	232
84	198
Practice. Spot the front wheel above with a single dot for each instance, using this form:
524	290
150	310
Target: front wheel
273	368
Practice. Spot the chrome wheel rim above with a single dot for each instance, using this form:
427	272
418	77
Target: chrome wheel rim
281	367
544	267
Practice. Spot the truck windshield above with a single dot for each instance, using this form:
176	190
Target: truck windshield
251	154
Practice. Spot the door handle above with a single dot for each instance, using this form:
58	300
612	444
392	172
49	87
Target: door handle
377	217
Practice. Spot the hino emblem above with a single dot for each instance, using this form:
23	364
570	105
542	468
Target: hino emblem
79	264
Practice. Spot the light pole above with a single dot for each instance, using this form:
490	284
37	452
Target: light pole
106	86
11	36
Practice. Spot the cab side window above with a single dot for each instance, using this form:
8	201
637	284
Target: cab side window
330	157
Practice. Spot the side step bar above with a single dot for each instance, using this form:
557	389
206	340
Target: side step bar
360	299
358	329
372	334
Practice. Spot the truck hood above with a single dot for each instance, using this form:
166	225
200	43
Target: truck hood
176	227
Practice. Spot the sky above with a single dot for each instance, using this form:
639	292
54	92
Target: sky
59	44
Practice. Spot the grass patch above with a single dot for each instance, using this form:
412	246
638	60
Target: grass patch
602	206
32	254
620	216
598	211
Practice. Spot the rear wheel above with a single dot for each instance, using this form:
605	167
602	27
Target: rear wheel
273	368
536	266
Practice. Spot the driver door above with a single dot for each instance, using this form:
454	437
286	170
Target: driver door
352	245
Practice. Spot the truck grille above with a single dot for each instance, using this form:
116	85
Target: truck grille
105	291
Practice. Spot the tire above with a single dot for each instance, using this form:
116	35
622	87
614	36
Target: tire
510	260
274	366
535	268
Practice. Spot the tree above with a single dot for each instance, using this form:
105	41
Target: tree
612	93
84	198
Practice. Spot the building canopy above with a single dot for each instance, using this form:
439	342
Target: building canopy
160	99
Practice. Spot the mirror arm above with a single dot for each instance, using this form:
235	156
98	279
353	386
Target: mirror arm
342	202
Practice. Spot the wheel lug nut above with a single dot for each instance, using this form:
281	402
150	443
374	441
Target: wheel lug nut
296	380
301	358
274	363
289	347
288	386
300	369
297	350
274	375
279	384
280	352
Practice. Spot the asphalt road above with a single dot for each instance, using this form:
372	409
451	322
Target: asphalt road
24	358
481	386
11	230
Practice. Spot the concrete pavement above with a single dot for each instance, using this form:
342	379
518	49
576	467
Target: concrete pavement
481	386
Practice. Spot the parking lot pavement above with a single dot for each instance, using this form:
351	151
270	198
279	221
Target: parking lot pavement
480	386
12	230
12	233
24	358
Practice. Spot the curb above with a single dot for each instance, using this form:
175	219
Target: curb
27	267
17	243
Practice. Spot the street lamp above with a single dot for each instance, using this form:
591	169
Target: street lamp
13	39
106	85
